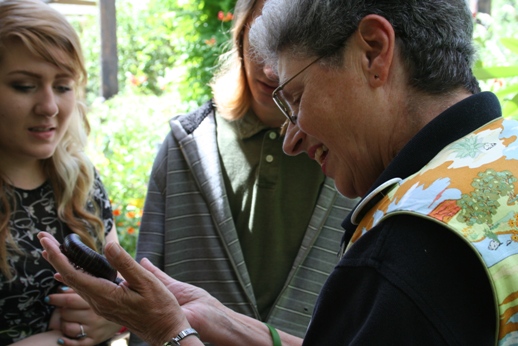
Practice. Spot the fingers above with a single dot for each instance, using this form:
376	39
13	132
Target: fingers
140	302
82	283
166	279
135	276
74	330
67	300
55	320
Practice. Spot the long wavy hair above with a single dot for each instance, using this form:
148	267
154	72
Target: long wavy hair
232	95
48	34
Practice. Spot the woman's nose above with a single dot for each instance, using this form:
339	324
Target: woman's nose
270	73
47	103
294	140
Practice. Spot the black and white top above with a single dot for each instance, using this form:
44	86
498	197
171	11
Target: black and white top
23	311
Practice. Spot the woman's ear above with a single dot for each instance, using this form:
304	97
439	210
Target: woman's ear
377	38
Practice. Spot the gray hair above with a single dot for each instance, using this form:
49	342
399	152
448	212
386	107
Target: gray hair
434	37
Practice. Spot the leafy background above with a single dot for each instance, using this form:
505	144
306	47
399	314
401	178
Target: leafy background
168	50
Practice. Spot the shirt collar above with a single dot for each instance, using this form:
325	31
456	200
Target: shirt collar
247	126
452	124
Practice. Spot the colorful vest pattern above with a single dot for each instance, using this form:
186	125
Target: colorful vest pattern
471	188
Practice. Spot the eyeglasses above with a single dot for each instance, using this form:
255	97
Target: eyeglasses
281	101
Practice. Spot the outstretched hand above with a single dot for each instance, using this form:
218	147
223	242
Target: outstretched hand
142	302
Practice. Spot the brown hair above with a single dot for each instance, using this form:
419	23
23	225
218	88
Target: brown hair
229	85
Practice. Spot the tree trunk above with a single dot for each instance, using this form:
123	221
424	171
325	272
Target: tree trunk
484	6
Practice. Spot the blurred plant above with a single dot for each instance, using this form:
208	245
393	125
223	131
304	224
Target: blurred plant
127	132
497	67
199	32
163	46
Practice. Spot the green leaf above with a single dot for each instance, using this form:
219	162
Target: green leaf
513	89
510	43
510	108
495	72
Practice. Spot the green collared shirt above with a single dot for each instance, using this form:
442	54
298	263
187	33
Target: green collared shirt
272	197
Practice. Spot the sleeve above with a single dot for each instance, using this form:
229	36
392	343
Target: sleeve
152	227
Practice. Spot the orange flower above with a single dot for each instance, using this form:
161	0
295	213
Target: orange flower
130	214
210	42
116	212
225	17
131	230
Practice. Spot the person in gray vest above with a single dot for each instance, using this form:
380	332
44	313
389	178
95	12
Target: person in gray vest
382	95
228	211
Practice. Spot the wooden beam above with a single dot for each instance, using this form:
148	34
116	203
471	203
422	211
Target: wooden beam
109	59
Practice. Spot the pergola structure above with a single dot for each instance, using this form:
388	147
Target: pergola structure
108	25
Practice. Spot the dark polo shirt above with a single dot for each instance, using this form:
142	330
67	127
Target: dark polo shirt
272	197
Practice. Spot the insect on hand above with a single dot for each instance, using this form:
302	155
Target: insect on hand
81	256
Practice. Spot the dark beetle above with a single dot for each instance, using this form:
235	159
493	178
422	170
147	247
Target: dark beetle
81	256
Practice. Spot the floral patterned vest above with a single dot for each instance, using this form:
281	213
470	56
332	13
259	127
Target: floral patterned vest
471	188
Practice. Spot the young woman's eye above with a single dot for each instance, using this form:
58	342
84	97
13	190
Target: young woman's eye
23	87
63	88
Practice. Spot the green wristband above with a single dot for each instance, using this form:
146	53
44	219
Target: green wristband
275	335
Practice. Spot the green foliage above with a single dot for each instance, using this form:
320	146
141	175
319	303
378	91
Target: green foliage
128	130
198	36
497	67
163	46
88	30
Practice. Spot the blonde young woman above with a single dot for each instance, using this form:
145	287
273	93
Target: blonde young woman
46	181
228	211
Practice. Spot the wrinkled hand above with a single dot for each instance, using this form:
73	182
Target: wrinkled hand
74	311
204	312
141	302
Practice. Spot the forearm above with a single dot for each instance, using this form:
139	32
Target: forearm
49	338
235	329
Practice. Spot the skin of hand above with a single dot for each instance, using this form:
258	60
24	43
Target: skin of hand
74	310
155	306
105	330
215	322
141	302
44	339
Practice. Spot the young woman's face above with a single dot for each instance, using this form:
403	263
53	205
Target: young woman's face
36	103
261	79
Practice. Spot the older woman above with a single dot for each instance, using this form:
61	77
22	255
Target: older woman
381	94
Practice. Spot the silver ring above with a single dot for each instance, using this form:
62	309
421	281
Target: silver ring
82	334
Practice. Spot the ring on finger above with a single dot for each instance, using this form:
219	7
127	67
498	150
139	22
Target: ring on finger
82	334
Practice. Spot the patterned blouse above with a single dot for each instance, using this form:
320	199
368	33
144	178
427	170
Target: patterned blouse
23	311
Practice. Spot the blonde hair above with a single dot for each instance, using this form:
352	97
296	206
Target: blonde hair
230	88
48	34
